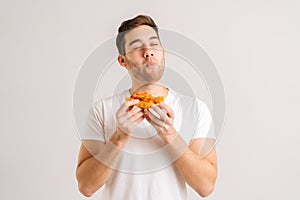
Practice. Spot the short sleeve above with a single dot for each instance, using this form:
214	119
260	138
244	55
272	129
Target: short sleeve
204	122
94	128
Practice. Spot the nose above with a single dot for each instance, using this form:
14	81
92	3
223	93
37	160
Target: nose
148	53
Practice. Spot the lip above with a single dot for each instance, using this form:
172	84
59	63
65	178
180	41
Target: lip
151	63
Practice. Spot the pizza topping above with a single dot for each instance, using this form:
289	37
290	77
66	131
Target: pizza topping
146	100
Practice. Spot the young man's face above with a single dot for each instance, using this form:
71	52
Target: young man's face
145	57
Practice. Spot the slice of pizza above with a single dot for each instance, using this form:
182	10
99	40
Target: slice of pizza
146	100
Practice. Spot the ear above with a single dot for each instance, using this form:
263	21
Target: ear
121	60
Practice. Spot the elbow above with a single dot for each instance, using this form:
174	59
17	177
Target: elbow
84	188
207	187
205	191
86	191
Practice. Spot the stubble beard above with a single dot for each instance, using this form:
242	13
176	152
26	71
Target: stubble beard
147	74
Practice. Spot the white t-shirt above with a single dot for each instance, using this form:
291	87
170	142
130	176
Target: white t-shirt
145	170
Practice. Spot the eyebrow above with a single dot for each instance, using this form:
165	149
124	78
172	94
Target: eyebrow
139	40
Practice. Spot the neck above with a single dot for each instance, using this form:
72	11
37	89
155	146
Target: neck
156	89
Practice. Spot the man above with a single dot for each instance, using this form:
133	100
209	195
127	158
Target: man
121	138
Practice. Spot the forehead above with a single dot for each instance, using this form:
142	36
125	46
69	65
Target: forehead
143	33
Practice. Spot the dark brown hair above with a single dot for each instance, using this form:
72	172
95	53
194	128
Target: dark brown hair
131	24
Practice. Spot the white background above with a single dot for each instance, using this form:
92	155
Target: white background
255	46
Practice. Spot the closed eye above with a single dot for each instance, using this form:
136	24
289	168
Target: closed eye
137	48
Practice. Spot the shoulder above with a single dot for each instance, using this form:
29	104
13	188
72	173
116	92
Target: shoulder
190	103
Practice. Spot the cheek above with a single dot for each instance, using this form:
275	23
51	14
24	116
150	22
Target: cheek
133	59
134	55
159	51
160	55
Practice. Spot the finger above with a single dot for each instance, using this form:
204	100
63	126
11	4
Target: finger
168	109
151	122
154	120
160	124
158	127
125	106
129	114
136	117
130	124
139	120
127	121
134	111
124	113
162	114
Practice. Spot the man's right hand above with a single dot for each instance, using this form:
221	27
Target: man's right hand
128	117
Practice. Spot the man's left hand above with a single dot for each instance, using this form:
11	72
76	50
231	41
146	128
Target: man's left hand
164	123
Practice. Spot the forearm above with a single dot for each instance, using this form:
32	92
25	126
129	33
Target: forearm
91	175
94	171
199	173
